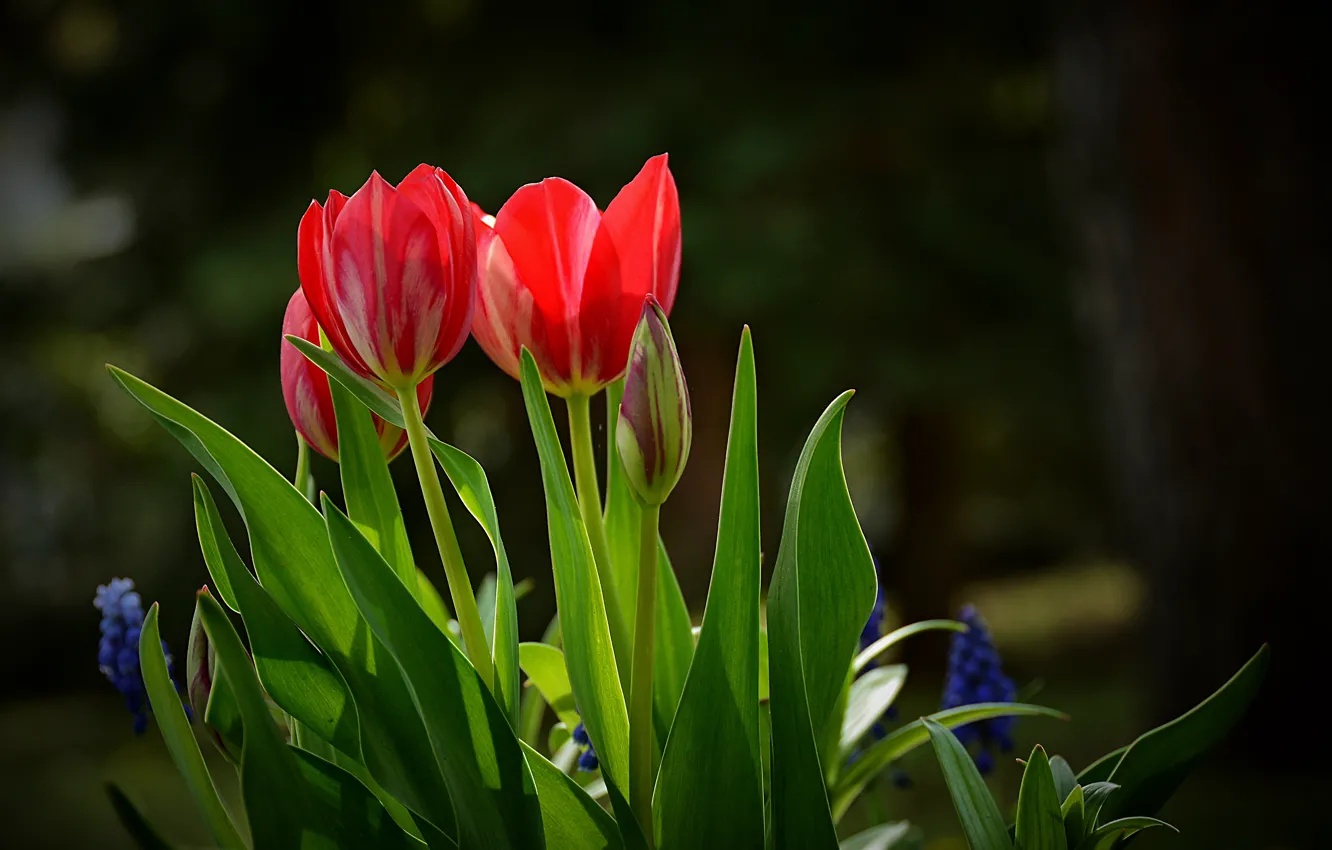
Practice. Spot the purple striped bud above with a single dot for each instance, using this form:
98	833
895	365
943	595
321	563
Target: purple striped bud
200	662
656	426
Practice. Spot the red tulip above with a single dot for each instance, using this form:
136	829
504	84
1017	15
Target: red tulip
309	400
568	281
391	274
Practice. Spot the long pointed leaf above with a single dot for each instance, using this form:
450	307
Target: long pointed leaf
290	551
821	594
673	647
572	820
981	822
870	697
469	732
585	633
1040	822
469	479
717	720
293	798
170	715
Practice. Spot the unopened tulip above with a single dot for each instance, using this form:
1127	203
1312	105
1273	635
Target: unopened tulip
390	274
568	281
306	391
656	425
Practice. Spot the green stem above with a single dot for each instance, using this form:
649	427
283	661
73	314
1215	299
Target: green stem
640	687
302	478
460	586
589	503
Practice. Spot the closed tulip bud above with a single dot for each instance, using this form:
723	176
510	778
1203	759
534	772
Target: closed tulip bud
200	661
309	400
390	273
656	426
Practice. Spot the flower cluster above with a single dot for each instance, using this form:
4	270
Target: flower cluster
975	674
118	652
587	760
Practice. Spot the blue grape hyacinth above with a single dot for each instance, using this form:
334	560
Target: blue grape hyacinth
118	651
975	674
587	760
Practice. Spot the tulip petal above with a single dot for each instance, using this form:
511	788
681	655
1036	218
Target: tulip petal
386	282
550	232
305	386
643	224
504	307
446	205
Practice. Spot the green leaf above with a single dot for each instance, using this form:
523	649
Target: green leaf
871	695
544	666
1064	778
896	636
672	648
1074	815
981	822
469	731
572	820
1040	822
292	798
170	715
295	674
1157	763
485	603
222	715
1112	834
1095	796
907	737
145	836
585	633
290	551
435	606
469	479
717	721
822	591
763	687
367	486
886	836
367	392
1100	770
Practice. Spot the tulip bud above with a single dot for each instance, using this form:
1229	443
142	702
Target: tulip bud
656	426
200	662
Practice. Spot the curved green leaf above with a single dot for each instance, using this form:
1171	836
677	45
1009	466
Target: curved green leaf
672	649
896	636
1074	813
1116	832
366	392
170	715
871	695
571	819
1095	796
469	479
585	632
886	836
295	674
717	720
292	798
981	822
544	666
1064	778
822	591
291	555
907	737
367	486
1040	821
1156	764
469	733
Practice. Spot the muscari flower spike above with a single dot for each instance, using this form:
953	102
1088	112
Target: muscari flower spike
118	651
587	760
975	674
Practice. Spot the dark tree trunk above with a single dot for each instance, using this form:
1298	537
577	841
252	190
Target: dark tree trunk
1193	160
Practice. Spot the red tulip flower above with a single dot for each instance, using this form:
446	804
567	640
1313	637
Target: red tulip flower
391	274
309	400
568	281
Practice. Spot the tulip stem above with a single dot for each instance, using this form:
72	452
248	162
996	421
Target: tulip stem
460	586
589	503
302	478
640	687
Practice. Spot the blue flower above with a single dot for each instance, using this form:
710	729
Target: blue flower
587	761
118	651
975	674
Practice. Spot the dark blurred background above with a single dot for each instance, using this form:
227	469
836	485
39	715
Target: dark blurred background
1073	257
